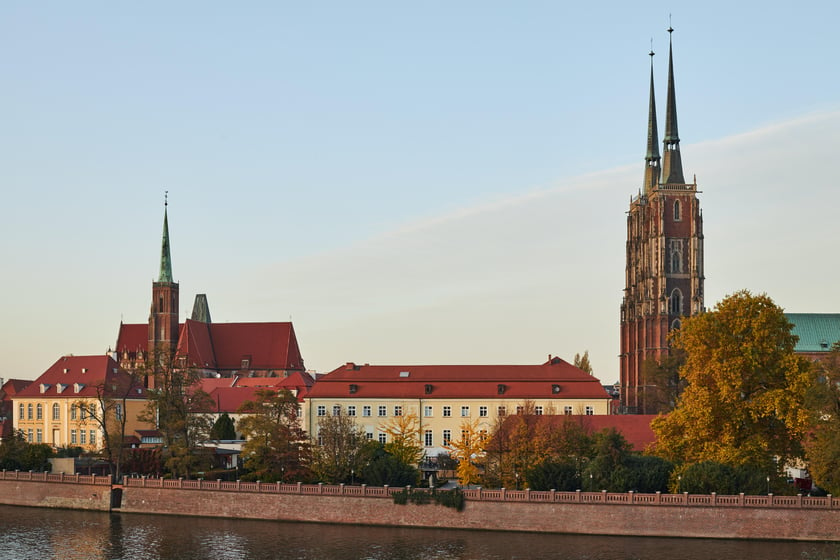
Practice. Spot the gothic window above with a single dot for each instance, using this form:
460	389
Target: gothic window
676	255
676	302
676	324
160	304
677	211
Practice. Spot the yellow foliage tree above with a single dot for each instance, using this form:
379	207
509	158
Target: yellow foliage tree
404	438
744	402
468	450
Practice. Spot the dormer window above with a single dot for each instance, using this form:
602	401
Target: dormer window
84	370
501	388
59	387
77	387
44	387
245	363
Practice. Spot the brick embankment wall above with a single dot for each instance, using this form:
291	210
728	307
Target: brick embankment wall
55	495
595	519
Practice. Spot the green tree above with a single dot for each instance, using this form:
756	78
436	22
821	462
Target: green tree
582	362
17	454
223	428
338	453
380	468
553	474
606	469
276	447
744	402
180	410
823	445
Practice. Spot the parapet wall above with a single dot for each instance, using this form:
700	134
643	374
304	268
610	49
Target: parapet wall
593	513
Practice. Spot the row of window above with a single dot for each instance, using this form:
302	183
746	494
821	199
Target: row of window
80	439
80	412
428	410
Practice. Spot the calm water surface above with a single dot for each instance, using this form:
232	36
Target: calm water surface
35	533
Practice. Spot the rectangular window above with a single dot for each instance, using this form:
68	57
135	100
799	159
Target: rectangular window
56	412
369	435
567	410
502	411
447	411
398	410
93	437
520	410
383	438
366	412
83	411
427	438
447	437
73	412
29	412
465	436
39	415
428	411
82	437
590	411
320	440
383	410
29	435
482	411
538	410
118	411
351	410
465	411
20	412
73	437
39	436
336	410
322	410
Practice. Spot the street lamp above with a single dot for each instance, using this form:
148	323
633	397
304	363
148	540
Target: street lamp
679	483
768	485
352	477
517	480
591	484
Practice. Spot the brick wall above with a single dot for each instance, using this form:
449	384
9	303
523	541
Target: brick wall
69	495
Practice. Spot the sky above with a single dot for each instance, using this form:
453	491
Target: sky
409	183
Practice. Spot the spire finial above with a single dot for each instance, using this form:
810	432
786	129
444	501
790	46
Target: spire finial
165	199
672	165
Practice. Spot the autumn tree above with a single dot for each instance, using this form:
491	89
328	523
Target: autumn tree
339	449
582	362
745	388
276	446
662	384
823	445
403	438
110	413
180	410
468	450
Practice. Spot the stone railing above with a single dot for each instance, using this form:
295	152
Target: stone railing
30	476
502	494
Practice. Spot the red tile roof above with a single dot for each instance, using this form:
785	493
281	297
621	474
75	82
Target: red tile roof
634	427
89	372
266	345
554	379
14	386
133	337
229	399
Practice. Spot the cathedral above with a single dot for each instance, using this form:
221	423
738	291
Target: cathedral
215	349
664	269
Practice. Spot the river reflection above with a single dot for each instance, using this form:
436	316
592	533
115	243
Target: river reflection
42	533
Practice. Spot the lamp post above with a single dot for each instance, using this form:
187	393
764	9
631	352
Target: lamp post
679	483
517	480
352	477
768	485
590	482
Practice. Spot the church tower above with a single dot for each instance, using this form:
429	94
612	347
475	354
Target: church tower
664	269
163	317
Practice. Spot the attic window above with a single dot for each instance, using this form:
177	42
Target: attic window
501	388
59	387
404	374
824	344
77	387
555	388
84	370
44	387
246	363
66	370
353	388
429	389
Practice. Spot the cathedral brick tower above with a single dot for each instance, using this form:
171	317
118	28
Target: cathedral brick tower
163	317
664	270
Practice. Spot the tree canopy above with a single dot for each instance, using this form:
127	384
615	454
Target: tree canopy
744	401
823	445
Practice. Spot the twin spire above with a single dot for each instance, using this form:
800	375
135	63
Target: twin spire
671	171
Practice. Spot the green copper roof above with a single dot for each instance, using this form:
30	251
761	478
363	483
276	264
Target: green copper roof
201	310
817	332
165	258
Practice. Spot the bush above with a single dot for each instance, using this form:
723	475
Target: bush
447	498
553	475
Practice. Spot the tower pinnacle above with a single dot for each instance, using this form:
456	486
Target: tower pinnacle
165	258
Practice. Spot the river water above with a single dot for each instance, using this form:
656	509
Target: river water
35	533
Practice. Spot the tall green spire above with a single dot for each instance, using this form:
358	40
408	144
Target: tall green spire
672	166
652	155
165	258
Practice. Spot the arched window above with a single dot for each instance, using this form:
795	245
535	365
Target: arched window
39	412
677	211
676	324
56	412
20	412
29	412
676	302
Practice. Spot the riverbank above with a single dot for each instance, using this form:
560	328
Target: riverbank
585	513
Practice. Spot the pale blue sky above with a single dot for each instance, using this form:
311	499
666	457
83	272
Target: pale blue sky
412	183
